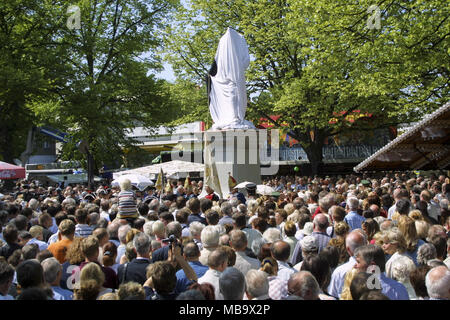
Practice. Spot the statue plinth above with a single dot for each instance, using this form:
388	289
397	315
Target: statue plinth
234	152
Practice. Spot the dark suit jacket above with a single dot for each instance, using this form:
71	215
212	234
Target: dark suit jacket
135	271
160	254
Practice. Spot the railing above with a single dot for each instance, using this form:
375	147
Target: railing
331	152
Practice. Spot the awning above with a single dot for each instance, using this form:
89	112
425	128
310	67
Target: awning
425	146
11	171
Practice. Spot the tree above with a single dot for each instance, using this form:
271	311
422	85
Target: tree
25	36
190	101
104	84
314	60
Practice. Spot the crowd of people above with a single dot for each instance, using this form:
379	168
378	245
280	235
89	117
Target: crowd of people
331	238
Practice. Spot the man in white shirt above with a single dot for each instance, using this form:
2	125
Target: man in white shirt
244	263
104	209
37	234
354	239
217	262
280	251
398	194
210	241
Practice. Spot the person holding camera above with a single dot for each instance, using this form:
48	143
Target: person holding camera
162	280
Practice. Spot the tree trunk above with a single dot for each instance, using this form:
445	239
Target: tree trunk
6	146
315	157
313	146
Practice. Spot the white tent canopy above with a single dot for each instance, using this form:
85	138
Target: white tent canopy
172	169
139	181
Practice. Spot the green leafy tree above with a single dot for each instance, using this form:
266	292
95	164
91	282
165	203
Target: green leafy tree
316	60
104	83
25	38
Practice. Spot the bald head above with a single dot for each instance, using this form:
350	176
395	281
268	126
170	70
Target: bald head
280	250
191	252
354	239
304	285
375	209
238	240
437	282
320	222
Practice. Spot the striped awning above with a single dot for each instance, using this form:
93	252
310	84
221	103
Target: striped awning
425	146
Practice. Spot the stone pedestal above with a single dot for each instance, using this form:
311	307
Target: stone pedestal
235	152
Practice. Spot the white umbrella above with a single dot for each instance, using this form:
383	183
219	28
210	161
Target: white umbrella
264	190
242	184
137	180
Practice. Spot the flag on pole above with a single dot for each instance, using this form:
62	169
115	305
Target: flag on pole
211	175
187	184
159	181
168	188
231	181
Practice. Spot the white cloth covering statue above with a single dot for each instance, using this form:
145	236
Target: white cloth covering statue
227	91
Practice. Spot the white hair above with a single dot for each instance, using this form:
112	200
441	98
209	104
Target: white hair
257	244
401	268
272	234
326	202
68	201
257	283
221	229
158	227
353	203
122	233
196	228
210	236
437	282
426	252
51	268
142	243
33	203
148	230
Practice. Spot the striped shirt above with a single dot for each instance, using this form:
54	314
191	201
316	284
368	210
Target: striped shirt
322	239
83	230
127	205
